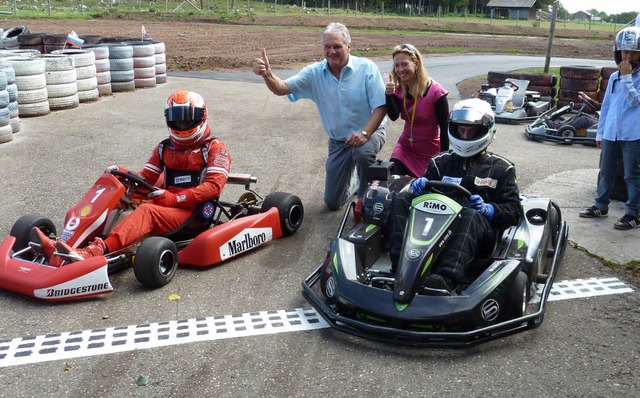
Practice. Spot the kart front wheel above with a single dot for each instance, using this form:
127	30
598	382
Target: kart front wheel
155	262
21	230
290	209
516	302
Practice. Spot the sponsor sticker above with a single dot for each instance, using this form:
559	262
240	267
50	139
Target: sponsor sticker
490	310
245	240
434	206
486	182
85	211
454	180
182	179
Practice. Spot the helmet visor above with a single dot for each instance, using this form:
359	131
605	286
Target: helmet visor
183	117
468	124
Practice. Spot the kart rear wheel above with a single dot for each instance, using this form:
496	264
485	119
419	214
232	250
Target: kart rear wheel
155	262
21	230
567	132
516	302
290	209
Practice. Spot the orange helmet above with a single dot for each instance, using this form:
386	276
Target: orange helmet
186	115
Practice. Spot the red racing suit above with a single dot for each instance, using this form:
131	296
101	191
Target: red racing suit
197	174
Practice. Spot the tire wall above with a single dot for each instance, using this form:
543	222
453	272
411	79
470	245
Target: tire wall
574	79
544	83
40	73
6	133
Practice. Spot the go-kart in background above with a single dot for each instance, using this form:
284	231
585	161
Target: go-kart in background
55	158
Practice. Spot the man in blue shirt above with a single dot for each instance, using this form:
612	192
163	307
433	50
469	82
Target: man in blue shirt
618	132
349	94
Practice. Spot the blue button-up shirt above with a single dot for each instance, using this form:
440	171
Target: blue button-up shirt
620	112
345	105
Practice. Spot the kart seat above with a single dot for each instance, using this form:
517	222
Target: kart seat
519	96
194	225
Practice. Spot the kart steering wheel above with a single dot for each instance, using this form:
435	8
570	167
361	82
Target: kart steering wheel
515	86
589	103
447	188
133	180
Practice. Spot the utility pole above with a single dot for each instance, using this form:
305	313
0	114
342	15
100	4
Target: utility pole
552	28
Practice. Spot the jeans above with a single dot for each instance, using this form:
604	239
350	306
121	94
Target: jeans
629	151
341	163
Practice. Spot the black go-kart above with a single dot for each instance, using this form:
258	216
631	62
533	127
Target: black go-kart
355	292
541	129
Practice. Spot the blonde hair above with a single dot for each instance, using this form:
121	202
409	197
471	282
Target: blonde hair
421	81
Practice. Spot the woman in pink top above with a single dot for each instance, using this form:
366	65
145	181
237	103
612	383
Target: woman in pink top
422	104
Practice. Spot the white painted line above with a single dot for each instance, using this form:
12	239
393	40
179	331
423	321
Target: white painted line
67	345
57	346
581	288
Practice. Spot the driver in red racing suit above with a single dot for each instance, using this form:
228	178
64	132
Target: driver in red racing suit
195	167
491	179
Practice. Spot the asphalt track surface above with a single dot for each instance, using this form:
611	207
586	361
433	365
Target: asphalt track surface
585	347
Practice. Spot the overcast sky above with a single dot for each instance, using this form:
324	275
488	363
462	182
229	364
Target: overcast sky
608	6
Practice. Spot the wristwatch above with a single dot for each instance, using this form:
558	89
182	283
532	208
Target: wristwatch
365	134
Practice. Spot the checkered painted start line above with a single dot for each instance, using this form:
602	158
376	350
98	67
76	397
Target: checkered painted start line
67	345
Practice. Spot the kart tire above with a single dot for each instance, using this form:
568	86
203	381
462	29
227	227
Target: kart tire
290	208
579	72
567	132
607	71
544	90
21	229
539	79
579	85
516	302
155	262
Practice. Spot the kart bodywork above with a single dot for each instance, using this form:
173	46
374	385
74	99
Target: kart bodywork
218	231
355	292
512	103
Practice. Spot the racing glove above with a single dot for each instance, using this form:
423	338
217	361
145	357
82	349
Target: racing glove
477	203
417	186
165	198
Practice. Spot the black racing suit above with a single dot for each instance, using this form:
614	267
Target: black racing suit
486	174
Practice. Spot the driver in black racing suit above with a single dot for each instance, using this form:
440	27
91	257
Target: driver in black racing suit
490	178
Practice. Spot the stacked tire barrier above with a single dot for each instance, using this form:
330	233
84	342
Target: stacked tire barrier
103	68
85	73
32	86
42	73
6	133
12	89
574	79
144	64
121	68
544	83
161	62
60	72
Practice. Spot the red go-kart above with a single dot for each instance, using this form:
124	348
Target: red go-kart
217	231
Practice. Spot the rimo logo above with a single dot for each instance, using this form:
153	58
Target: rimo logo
245	240
435	207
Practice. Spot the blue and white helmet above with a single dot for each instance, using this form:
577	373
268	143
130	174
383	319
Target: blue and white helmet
628	39
472	112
